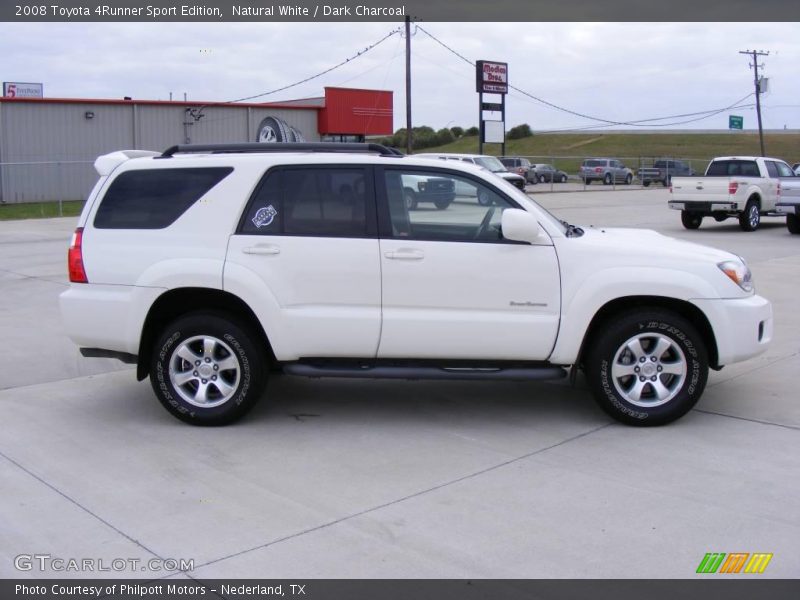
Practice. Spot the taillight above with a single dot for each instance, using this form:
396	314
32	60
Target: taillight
732	187
77	274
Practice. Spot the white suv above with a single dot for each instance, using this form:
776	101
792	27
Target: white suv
212	266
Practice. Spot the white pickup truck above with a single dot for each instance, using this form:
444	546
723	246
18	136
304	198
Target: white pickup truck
745	187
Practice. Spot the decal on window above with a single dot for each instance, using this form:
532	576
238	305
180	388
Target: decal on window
264	216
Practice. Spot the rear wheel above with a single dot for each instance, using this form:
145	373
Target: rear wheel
691	220
410	199
542	179
751	217
442	204
628	179
793	223
607	179
563	179
647	368
206	369
646	183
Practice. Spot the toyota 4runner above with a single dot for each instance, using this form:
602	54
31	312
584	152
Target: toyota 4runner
211	267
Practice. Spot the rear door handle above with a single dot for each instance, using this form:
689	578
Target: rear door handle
405	254
264	249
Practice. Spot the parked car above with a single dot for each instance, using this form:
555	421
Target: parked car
519	165
663	171
211	270
607	170
440	192
490	163
547	173
745	187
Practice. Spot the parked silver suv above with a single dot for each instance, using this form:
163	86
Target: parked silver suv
607	170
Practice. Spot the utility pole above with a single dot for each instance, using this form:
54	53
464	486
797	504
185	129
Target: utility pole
408	84
755	54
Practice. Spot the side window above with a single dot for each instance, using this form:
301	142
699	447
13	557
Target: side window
772	168
440	206
784	170
154	198
310	201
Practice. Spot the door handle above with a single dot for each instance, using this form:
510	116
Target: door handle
405	254
262	249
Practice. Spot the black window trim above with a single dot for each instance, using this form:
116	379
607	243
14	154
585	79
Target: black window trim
384	218
369	202
109	184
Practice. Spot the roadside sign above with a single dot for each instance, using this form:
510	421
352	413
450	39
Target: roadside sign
735	122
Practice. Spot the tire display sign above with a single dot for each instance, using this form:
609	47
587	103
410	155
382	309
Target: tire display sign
13	89
491	77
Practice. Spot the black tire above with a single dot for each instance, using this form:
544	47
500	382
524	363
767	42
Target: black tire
691	220
793	223
629	179
665	386
542	179
410	198
235	361
607	179
442	204
563	179
646	183
750	218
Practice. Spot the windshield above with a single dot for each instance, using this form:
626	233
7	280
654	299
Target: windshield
491	163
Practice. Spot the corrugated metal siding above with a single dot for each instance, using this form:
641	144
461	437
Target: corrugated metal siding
59	134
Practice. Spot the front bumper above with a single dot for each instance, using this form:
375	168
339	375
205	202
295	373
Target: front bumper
742	326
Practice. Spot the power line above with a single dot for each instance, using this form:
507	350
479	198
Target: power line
605	122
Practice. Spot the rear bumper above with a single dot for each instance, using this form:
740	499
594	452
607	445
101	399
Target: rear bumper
108	317
786	208
742	326
703	207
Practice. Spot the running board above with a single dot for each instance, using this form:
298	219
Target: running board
425	372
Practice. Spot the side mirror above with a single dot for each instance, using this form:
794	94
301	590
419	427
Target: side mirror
521	226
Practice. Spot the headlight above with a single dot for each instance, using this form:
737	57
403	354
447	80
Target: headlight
738	272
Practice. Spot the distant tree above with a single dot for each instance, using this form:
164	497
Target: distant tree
444	136
457	132
472	131
519	132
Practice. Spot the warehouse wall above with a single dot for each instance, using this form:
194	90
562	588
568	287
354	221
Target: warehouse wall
57	144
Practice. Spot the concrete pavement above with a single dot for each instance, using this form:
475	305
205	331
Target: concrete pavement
346	478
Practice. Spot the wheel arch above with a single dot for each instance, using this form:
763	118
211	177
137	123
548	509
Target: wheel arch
685	309
179	301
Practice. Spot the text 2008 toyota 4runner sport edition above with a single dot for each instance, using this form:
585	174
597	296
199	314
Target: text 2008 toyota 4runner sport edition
212	266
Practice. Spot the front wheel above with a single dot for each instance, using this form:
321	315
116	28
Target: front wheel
542	179
207	369
691	220
647	368
628	179
563	179
751	217
793	223
607	179
410	199
646	183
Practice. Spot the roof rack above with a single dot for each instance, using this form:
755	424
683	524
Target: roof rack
281	147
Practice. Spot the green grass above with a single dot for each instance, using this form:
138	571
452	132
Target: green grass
39	210
634	149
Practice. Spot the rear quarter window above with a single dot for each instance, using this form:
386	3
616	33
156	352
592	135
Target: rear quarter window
154	198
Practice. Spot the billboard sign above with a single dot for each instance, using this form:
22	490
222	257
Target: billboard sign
492	77
13	89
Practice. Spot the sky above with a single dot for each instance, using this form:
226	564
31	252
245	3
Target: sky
613	71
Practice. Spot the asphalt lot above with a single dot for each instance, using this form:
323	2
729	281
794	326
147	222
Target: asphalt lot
367	479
